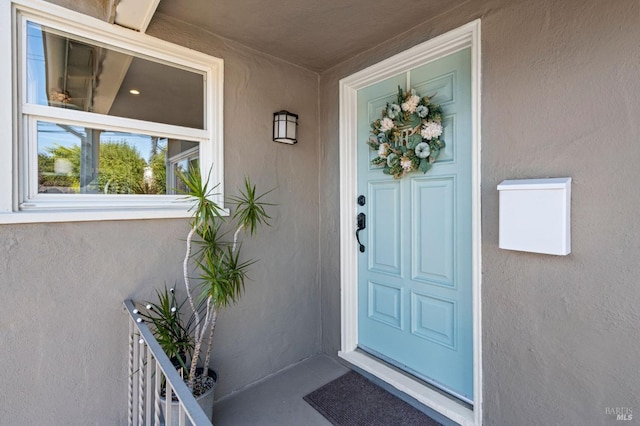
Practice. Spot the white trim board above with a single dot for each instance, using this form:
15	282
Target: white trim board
467	36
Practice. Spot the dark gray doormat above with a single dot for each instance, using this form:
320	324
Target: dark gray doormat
352	400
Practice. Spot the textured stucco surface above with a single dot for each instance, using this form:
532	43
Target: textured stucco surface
99	9
63	330
313	34
560	97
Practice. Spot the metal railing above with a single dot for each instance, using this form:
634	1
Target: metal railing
151	372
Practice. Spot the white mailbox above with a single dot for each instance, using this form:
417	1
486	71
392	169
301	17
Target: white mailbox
535	215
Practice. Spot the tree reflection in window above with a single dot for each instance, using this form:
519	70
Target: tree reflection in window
76	160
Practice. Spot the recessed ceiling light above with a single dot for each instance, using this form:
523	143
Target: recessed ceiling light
134	91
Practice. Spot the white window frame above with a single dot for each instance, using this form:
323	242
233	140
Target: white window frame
17	118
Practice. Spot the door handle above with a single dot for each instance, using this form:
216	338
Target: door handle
362	223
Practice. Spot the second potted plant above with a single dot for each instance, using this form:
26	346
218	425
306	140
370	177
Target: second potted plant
166	319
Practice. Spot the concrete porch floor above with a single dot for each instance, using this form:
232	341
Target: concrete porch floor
277	400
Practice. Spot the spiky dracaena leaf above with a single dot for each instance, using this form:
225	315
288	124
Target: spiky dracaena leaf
250	210
168	328
206	213
222	276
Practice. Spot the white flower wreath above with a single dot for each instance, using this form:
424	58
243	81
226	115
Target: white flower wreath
407	137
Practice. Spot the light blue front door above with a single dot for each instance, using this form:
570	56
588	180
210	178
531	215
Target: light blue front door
415	274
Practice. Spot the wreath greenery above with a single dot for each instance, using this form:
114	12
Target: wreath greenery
407	137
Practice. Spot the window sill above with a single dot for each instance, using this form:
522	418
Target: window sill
48	216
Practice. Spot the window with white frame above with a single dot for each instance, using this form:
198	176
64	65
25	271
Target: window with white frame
104	120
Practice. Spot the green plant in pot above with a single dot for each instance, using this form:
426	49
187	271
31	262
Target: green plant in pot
164	317
221	271
166	320
219	277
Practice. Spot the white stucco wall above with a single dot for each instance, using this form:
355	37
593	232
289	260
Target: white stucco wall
560	97
63	332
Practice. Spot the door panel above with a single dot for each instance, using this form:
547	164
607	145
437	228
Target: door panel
415	276
385	304
433	319
385	249
433	223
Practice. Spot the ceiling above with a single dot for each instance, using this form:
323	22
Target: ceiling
315	34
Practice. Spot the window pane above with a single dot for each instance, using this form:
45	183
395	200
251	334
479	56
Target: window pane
79	160
66	72
180	164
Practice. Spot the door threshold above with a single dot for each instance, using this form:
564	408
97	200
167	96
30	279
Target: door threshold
411	386
431	384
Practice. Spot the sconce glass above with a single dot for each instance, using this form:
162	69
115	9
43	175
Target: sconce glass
285	127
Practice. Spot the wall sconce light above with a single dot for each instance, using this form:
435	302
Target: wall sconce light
285	127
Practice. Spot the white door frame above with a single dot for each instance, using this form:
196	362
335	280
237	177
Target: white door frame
431	50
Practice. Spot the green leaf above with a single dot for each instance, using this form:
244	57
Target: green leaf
435	112
378	161
386	170
205	213
414	120
250	209
424	165
414	140
165	322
